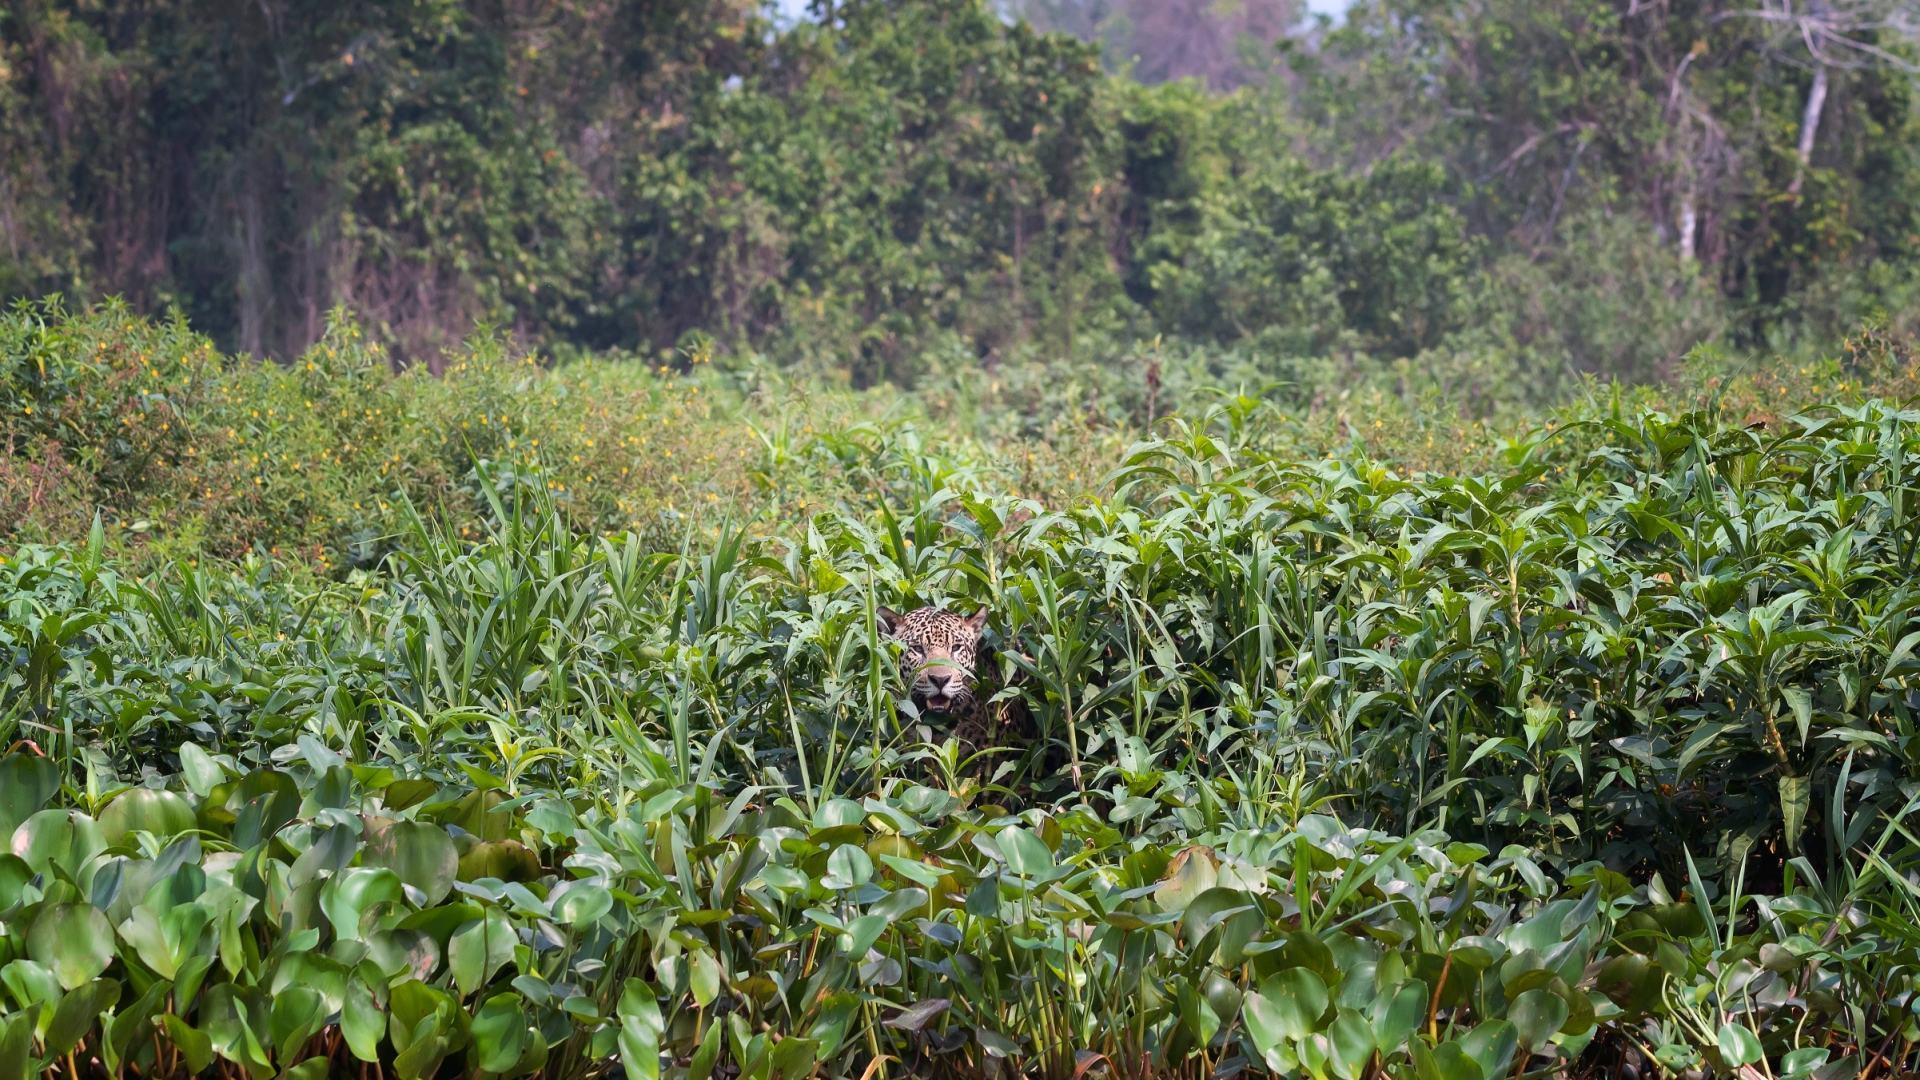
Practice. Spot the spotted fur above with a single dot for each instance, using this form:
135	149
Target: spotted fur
939	659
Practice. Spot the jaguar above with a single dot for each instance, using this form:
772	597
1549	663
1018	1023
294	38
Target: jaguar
949	678
939	654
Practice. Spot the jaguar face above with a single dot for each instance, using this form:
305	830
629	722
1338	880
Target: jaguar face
937	656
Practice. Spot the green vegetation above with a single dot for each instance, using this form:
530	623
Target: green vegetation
1501	196
1458	598
1591	752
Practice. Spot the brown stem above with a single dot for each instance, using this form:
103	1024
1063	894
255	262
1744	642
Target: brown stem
1433	1007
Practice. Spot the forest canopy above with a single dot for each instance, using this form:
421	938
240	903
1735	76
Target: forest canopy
1549	187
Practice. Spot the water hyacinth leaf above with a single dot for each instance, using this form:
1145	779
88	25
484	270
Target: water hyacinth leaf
849	866
201	772
14	876
1537	1016
582	904
58	841
135	1020
195	1046
420	854
162	813
27	781
363	1023
1191	872
500	1033
348	897
1738	1045
1350	1044
918	1015
829	1030
16	1044
1026	855
74	1017
1491	1044
74	941
703	976
508	860
479	949
1397	1016
297	1013
1804	1061
640	1030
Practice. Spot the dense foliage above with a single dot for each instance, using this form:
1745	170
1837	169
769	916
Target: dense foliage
894	189
1598	756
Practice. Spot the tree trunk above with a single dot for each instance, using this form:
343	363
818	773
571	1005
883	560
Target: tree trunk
1809	125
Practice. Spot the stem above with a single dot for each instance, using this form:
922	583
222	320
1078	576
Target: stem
1433	1007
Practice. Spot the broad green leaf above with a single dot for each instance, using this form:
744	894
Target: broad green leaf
27	781
1537	1016
1191	872
582	904
641	1027
140	809
500	1032
1287	1007
362	1022
74	941
848	867
349	896
1738	1045
422	855
1026	855
479	949
75	1017
58	842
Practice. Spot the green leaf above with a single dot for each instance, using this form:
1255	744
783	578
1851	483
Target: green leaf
350	895
1398	1016
1190	873
640	1030
58	842
1738	1046
1026	855
74	941
1491	1045
16	1044
1446	1061
500	1032
75	1015
582	904
1350	1039
195	1046
140	809
916	1016
1800	700
1287	1007
362	1022
847	867
479	949
27	781
296	1015
1537	1016
703	974
1796	794
422	855
200	770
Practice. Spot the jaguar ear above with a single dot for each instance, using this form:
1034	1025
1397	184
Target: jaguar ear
976	621
889	619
